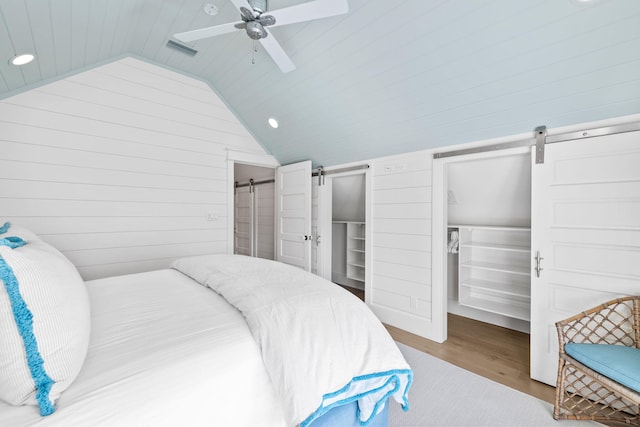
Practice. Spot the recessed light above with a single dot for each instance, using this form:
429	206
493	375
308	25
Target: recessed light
210	9
273	123
22	59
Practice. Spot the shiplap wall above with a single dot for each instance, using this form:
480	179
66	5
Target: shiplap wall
400	233
119	166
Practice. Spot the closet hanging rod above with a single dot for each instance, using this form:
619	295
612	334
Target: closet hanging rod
550	139
254	183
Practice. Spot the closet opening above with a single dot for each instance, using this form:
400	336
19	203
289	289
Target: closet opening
342	213
254	211
488	205
482	222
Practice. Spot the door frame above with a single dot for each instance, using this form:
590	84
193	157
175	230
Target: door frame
440	214
252	159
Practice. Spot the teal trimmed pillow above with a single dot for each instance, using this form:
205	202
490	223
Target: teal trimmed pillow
618	362
44	322
10	230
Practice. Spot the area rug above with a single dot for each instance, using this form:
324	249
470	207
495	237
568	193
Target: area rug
445	395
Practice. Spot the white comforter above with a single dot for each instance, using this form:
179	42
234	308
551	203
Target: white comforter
321	346
164	352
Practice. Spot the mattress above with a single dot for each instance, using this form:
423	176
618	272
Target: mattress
150	333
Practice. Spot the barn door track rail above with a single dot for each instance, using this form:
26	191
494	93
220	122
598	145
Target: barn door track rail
541	138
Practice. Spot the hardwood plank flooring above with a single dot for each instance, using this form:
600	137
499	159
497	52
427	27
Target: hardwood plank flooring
494	352
497	353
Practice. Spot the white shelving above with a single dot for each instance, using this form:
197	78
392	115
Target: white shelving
494	270
355	250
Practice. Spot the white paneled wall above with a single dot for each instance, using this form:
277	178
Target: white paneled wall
401	291
123	167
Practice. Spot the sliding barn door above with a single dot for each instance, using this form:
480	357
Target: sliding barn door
586	231
243	217
264	199
293	214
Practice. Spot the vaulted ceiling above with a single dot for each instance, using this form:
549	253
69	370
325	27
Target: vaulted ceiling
387	77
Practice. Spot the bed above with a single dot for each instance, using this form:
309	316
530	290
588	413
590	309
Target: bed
219	340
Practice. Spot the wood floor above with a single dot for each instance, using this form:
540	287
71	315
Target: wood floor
497	353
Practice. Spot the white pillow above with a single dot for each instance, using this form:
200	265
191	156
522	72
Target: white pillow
9	229
44	322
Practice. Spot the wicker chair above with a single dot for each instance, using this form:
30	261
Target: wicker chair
581	392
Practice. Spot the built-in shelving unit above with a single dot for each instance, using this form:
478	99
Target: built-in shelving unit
494	269
355	250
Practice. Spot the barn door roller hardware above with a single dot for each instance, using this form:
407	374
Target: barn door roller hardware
541	139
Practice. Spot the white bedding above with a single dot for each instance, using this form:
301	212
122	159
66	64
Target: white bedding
321	346
150	333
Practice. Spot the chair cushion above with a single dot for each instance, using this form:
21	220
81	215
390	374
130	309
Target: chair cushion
620	363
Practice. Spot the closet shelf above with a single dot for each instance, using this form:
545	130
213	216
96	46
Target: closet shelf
505	268
522	291
499	247
355	250
489	227
355	276
494	270
514	310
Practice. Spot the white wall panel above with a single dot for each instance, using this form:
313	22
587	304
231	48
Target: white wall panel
62	140
119	167
400	292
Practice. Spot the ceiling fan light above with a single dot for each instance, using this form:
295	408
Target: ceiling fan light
255	30
273	123
21	59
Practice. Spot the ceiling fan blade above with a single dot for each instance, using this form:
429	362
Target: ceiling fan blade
203	33
309	11
278	54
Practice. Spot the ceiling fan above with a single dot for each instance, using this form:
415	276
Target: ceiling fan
256	17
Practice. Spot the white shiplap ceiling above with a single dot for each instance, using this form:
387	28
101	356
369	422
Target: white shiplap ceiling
388	77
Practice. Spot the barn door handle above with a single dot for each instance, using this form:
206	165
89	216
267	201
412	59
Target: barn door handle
538	259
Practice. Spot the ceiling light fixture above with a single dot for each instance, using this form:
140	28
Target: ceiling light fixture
273	123
210	9
21	59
